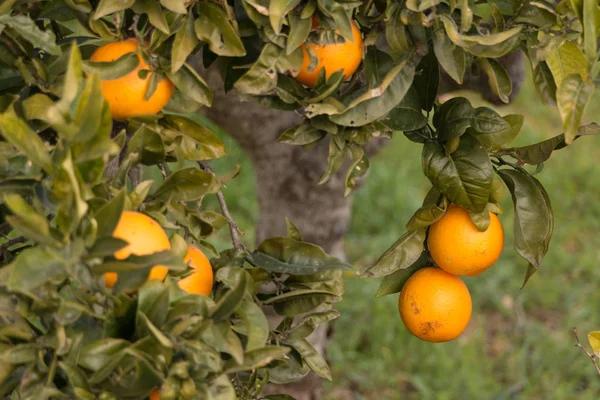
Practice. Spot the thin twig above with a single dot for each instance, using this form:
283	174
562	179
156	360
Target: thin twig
11	243
162	170
236	234
591	356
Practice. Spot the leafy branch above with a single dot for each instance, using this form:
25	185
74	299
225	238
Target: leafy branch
591	356
236	234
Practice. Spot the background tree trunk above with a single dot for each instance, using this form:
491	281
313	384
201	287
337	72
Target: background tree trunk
287	176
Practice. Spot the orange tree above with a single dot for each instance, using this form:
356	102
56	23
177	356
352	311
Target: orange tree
68	172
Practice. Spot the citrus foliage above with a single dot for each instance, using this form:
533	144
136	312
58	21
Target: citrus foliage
63	333
67	173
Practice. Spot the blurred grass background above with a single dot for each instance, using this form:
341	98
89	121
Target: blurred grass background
519	344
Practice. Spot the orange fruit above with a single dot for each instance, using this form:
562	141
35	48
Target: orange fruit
434	305
126	95
200	281
145	236
155	395
458	247
333	57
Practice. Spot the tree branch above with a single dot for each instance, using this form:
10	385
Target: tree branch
236	234
11	243
591	356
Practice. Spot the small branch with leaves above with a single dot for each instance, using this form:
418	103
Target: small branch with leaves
9	244
591	356
236	234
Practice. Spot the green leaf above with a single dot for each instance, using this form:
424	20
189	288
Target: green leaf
497	140
186	184
153	301
567	60
189	82
209	145
309	323
148	145
155	13
394	282
545	84
591	30
401	255
256	323
108	70
27	221
301	301
572	97
299	30
498	78
453	118
286	255
183	45
481	220
451	57
465	176
429	212
177	6
301	135
312	358
213	26
407	116
396	34
257	358
29	30
292	231
486	120
97	354
427	79
18	133
540	152
34	267
106	7
358	168
342	19
229	303
337	153
421	5
594	340
534	221
139	193
20	354
378	101
109	215
278	9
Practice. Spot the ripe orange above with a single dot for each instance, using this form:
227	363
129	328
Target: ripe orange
145	236
155	395
126	95
200	281
458	247
434	305
332	57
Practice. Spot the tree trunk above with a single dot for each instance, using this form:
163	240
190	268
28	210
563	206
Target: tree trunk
286	186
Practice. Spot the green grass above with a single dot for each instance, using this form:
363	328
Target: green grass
519	343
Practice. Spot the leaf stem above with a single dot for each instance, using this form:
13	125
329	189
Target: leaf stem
591	356
234	230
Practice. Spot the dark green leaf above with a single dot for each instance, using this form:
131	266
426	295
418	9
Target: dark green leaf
209	145
401	255
106	7
486	120
394	282
257	358
453	118
256	323
427	79
109	70
302	134
534	221
26	28
407	116
148	145
312	358
299	30
190	83
34	267
465	176
108	216
496	141
184	43
545	84
452	58
229	303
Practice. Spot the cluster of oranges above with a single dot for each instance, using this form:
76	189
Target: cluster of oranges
126	95
435	304
145	236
